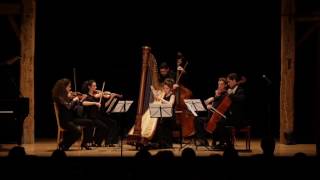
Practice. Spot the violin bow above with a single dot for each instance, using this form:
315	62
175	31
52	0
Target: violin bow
74	79
104	83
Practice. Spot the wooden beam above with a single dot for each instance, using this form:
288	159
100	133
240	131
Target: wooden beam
27	65
287	70
308	19
10	9
317	98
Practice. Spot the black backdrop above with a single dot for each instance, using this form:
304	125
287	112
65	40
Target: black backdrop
103	42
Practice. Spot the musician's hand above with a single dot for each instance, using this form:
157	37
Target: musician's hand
75	98
209	106
98	104
209	100
83	97
157	98
175	86
98	95
180	69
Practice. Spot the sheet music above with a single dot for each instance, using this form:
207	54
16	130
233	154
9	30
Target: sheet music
160	110
111	105
191	109
196	103
122	106
194	106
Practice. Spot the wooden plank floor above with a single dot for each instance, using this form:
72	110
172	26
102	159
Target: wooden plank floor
44	148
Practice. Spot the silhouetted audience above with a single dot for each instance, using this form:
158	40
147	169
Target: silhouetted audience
230	153
268	145
164	155
58	154
17	152
188	153
143	154
300	155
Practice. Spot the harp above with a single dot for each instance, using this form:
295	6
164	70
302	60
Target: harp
144	127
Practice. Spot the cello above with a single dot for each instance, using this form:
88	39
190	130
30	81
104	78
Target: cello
184	117
222	108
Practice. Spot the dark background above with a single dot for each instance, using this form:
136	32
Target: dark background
103	42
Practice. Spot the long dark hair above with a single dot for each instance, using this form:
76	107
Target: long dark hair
85	86
59	90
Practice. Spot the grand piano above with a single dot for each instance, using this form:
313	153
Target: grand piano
12	115
14	107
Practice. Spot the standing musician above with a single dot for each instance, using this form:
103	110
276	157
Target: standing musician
66	103
166	72
92	110
165	125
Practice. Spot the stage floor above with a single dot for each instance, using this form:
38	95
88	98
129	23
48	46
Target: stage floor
44	148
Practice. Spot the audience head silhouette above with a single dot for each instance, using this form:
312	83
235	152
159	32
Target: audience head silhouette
17	152
188	153
166	154
58	154
268	146
230	153
143	154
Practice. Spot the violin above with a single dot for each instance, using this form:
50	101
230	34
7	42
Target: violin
72	95
107	94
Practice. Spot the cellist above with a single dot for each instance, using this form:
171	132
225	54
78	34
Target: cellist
236	111
213	101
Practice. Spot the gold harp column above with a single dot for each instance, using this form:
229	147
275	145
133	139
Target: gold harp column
27	65
145	57
287	68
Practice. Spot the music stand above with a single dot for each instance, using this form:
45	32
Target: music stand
160	110
121	107
194	106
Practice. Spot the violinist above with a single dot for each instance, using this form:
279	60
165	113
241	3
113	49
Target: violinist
213	101
93	110
61	94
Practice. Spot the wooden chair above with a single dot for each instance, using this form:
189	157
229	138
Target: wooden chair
247	131
60	129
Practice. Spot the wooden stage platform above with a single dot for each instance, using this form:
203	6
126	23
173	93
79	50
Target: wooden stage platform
44	148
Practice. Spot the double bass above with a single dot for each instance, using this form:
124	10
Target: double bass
183	116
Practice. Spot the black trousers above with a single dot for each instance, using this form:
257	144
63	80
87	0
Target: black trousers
222	133
164	131
73	132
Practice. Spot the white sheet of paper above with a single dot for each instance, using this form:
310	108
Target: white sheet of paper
120	106
160	110
191	109
196	104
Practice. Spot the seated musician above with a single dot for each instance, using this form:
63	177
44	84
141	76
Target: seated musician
61	94
93	111
237	111
202	121
165	125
